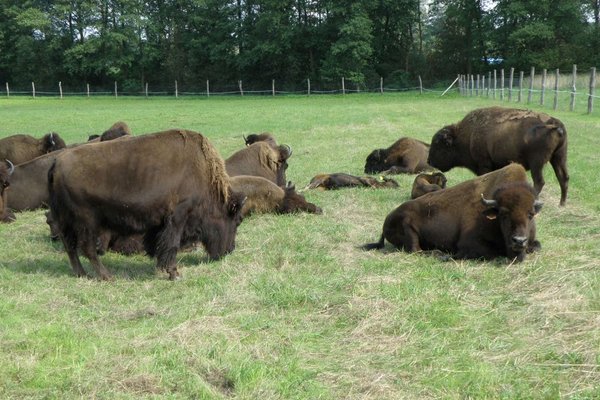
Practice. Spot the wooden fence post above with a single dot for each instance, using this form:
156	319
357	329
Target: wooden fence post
543	94
531	85
487	91
7	90
146	89
60	89
87	86
472	84
510	84
33	89
573	88
502	84
521	74
477	87
176	90
381	84
115	89
343	86
482	84
273	87
207	88
420	85
308	86
556	77
495	84
592	89
241	89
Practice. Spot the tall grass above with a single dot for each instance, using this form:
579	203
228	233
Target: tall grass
298	311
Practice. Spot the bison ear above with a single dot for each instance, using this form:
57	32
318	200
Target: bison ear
236	203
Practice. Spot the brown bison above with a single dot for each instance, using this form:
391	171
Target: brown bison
260	159
486	217
6	170
22	148
406	156
29	186
341	180
263	196
262	137
170	186
427	182
490	138
117	130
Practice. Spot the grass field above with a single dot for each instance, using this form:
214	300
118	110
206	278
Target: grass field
298	311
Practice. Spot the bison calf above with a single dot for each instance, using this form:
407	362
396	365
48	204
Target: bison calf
341	180
486	217
406	155
427	182
490	138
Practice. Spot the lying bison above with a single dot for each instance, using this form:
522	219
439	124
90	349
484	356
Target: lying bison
6	170
170	186
260	159
263	196
486	217
427	182
22	148
117	130
490	138
261	137
406	155
341	180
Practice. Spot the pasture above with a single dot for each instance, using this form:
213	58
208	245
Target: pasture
298	310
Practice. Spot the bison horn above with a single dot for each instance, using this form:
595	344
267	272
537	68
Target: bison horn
488	203
52	139
289	150
11	167
245	139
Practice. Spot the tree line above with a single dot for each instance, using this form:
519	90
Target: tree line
159	41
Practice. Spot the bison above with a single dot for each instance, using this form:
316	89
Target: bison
406	155
6	170
117	130
489	138
263	196
29	186
341	180
427	182
260	159
170	186
261	137
486	217
21	148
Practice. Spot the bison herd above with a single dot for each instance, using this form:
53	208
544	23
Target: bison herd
160	192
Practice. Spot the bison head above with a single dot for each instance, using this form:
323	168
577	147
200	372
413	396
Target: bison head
285	152
6	171
295	202
444	152
52	142
514	206
376	161
218	230
263	137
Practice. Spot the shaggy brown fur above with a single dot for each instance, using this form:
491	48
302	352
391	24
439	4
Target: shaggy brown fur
341	180
260	159
427	182
406	155
21	148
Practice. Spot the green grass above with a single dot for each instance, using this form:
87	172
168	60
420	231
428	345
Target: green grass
298	311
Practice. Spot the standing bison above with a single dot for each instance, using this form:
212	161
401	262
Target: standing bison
22	148
6	170
486	217
490	138
171	186
406	155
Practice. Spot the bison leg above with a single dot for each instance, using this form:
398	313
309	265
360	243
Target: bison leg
90	251
76	264
559	164
168	241
538	177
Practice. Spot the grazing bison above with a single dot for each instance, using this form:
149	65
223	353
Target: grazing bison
486	217
6	170
22	148
262	137
490	138
406	155
260	159
170	186
341	180
263	196
427	182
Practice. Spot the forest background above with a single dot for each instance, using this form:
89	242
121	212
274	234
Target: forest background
156	42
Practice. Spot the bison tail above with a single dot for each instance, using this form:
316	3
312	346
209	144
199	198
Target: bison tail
377	245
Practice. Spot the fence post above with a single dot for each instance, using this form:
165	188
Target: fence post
472	84
531	85
146	89
487	92
343	86
420	85
115	89
592	89
7	90
241	89
33	89
495	84
477	86
207	88
308	86
573	89
60	88
482	84
502	84
381	84
176	90
510	84
273	87
555	105
520	97
543	95
87	86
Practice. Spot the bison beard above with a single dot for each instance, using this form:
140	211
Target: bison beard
171	186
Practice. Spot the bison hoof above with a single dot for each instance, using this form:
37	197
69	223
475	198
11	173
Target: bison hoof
174	276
